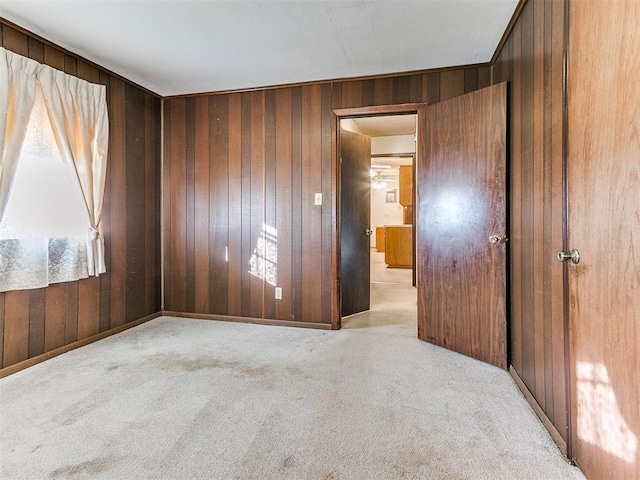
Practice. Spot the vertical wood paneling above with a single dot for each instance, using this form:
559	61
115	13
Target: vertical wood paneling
15	41
552	100
117	236
271	232
16	326
33	322
71	318
328	215
190	253
36	50
532	61
55	306
178	206
36	322
245	211
451	84
235	266
267	154
257	202
219	197
283	202
151	205
352	92
135	198
433	86
88	307
296	201
105	226
201	204
311	213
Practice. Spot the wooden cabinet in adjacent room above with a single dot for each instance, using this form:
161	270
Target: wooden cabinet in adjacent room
381	238
399	246
405	180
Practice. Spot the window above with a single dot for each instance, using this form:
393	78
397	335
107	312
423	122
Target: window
51	176
43	201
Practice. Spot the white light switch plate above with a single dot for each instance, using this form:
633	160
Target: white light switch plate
278	293
318	199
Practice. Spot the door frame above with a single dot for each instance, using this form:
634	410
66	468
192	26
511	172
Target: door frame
336	116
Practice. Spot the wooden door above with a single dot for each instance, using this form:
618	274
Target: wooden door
461	203
355	206
603	172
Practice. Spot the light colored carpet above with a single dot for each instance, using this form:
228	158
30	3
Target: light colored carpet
194	399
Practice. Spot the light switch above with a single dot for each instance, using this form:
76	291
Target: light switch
278	293
318	199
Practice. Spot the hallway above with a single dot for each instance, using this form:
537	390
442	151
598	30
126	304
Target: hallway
393	301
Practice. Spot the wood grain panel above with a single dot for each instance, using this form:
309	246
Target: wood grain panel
15	41
296	202
283	202
71	318
603	169
39	321
270	231
36	322
117	236
190	253
219	205
135	198
462	202
55	306
328	193
383	91
178	206
311	213
36	50
152	205
245	206
532	61
451	84
257	201
235	204
105	226
88	308
202	201
16	326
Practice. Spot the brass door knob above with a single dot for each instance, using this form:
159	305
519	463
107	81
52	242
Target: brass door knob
573	255
498	239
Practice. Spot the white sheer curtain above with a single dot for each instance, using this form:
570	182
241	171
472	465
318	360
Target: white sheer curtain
17	96
72	102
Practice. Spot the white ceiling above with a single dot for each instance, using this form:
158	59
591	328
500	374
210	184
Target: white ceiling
387	125
175	47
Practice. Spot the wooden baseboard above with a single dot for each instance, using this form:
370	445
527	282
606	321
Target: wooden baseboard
72	346
555	435
257	321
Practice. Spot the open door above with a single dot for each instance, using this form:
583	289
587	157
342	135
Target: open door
355	206
461	181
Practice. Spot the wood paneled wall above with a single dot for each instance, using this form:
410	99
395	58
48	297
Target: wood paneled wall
532	62
33	322
237	164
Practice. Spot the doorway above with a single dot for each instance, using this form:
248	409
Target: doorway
386	227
